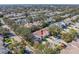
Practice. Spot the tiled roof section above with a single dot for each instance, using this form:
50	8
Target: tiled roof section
42	32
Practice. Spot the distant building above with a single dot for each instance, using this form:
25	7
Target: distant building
21	21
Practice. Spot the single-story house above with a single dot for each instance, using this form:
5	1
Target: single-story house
22	21
40	34
4	50
1	37
28	25
68	21
62	24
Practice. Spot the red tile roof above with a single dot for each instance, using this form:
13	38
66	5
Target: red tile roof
42	32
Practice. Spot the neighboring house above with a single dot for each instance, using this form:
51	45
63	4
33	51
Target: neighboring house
28	25
50	20
3	50
62	24
66	15
68	21
1	37
1	41
17	17
21	21
40	34
27	50
9	15
76	25
75	17
37	23
13	14
78	20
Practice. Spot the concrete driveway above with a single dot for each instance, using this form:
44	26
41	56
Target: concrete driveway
72	48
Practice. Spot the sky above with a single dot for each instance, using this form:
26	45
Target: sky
39	1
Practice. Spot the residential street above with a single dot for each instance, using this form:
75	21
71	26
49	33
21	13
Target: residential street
16	37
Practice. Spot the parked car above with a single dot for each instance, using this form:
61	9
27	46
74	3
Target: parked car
27	52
